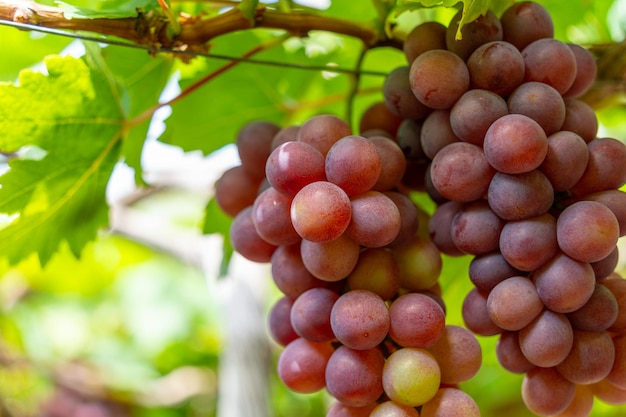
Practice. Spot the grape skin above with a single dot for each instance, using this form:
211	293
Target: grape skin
473	114
547	340
360	319
476	229
565	160
591	358
540	102
375	220
450	402
438	78
311	312
353	163
279	322
458	354
520	196
424	37
355	377
526	22
550	61
485	28
564	284
496	66
514	303
460	172
246	240
545	392
322	131
411	376
294	165
527	244
330	261
302	365
416	320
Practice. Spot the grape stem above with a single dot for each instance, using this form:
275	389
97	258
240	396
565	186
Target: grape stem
154	28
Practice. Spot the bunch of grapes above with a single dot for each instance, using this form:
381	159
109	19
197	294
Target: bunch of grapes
361	314
510	153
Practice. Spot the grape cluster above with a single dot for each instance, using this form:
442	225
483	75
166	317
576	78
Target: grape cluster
361	314
502	141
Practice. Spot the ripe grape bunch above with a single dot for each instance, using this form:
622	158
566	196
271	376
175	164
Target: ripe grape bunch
523	184
361	314
492	127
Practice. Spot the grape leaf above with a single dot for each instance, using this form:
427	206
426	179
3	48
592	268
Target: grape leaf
472	9
72	114
141	79
91	9
216	221
209	118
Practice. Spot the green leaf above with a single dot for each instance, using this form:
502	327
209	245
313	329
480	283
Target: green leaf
216	221
73	115
25	49
472	9
248	8
93	9
140	79
210	117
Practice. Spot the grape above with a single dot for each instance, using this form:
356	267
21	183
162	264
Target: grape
245	239
436	132
606	168
289	273
485	28
527	244
605	266
420	264
450	402
411	376
515	144
598	314
330	261
590	359
521	196
550	61
321	211
353	164
461	172
399	98
458	354
310	314
392	161
235	190
378	116
322	131
338	409
409	140
526	22
581	405
476	229
293	165
393	409
360	319
547	340
617	286
496	66
430	189
510	355
409	218
476	316
581	119
587	231
376	271
270	214
617	376
416	320
565	161
488	270
614	200
354	377
438	78
302	364
564	284
609	393
474	112
424	37
254	142
540	102
284	135
279	322
375	220
545	392
440	226
514	303
586	70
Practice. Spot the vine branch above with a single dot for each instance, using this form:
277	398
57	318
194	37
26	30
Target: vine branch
155	29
